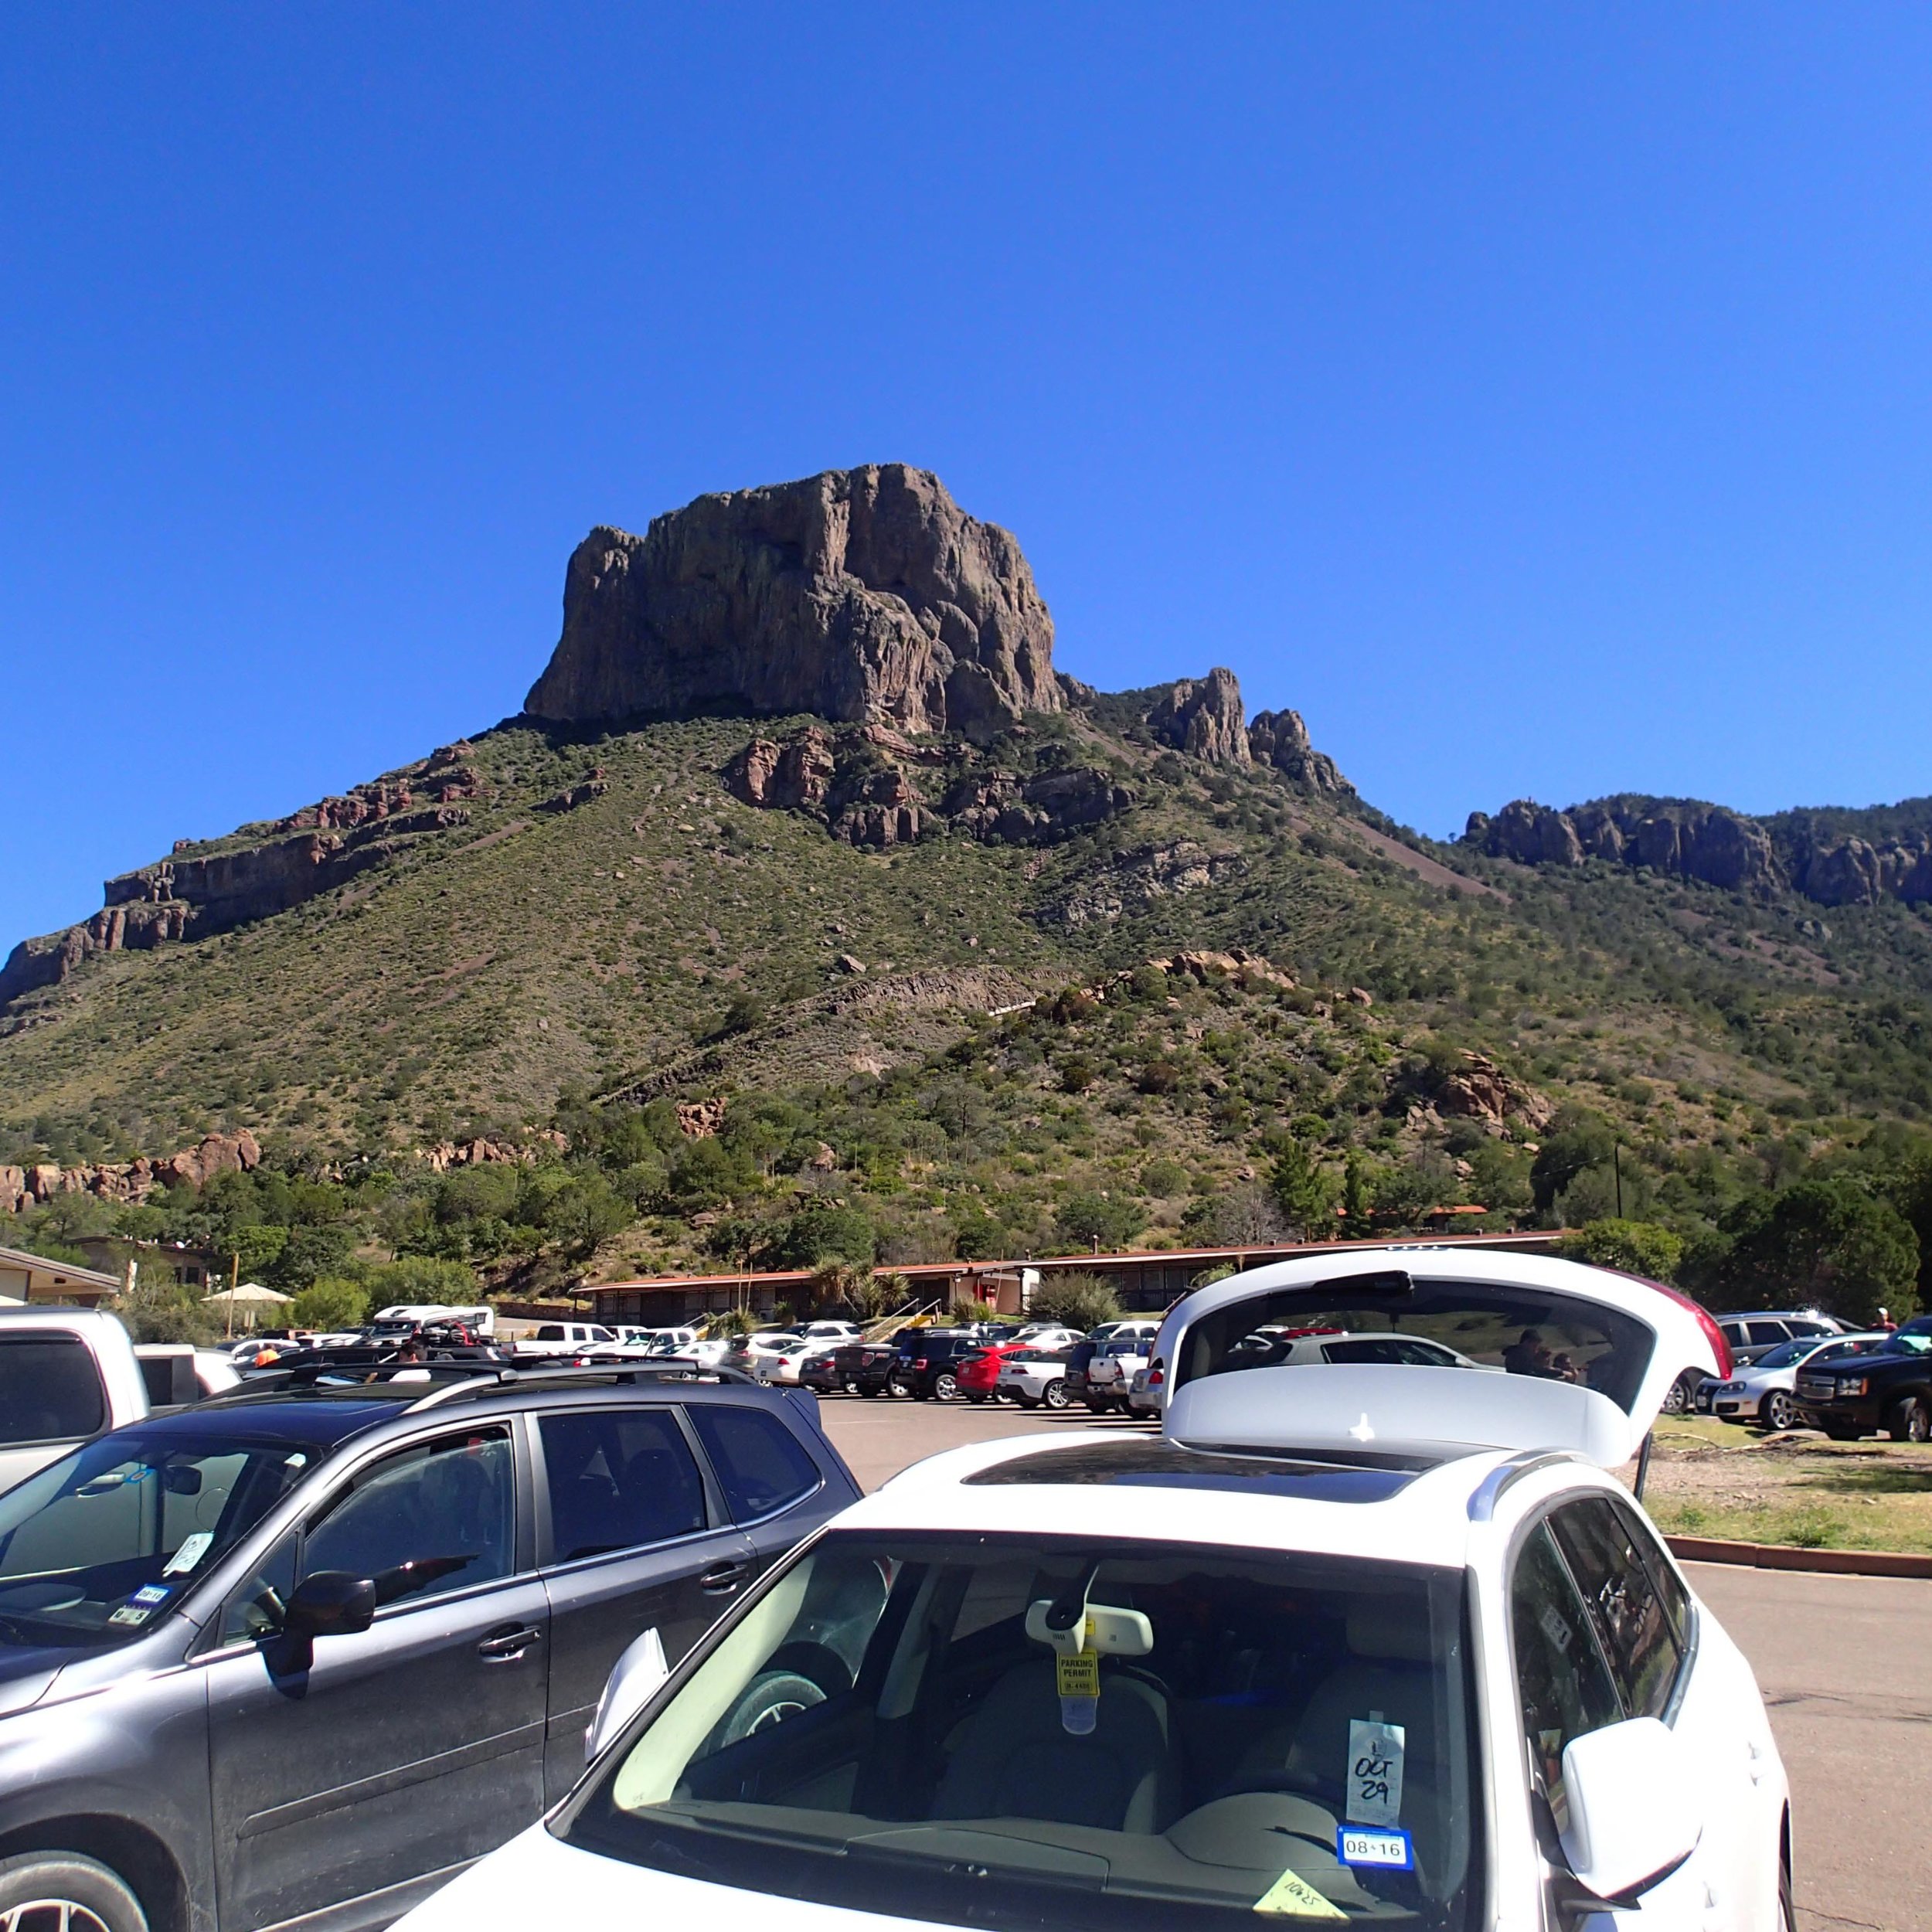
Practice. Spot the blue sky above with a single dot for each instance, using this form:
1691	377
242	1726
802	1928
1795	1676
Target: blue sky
1536	398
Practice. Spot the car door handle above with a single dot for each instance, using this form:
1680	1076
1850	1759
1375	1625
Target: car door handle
721	1579
504	1646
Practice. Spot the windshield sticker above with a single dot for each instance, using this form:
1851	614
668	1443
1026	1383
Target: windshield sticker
130	1614
1375	1771
1078	1675
1551	1619
191	1551
142	1604
1387	1850
1292	1893
296	1461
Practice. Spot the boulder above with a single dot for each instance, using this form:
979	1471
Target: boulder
864	594
1480	1090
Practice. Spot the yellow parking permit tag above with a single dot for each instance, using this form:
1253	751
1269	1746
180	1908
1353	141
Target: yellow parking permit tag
1077	1678
1291	1894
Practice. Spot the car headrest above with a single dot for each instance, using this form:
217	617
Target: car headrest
1384	1634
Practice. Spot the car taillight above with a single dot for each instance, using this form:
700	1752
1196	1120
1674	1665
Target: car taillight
920	1362
1156	1372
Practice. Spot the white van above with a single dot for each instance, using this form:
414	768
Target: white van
480	1321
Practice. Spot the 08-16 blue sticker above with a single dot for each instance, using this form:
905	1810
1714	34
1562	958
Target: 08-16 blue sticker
1376	1846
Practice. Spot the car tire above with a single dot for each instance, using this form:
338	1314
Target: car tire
1779	1410
894	1386
770	1697
1678	1398
1028	1402
1909	1420
1054	1396
946	1386
92	1898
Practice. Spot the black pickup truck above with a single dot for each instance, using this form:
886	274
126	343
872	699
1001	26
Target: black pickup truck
1890	1389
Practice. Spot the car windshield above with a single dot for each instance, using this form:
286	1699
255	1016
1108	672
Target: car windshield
95	1546
895	1725
1788	1354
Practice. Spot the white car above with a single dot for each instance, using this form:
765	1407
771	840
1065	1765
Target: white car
1381	1643
1034	1377
832	1331
781	1365
1763	1392
564	1338
1048	1335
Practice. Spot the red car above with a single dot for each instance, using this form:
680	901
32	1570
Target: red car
978	1375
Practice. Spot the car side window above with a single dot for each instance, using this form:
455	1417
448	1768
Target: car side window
1634	1623
617	1479
439	1515
1561	1678
1764	1334
49	1390
761	1464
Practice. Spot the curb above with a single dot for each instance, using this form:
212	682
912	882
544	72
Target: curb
1839	1562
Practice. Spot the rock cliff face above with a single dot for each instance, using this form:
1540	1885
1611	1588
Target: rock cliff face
871	786
857	594
21	1188
1707	842
1280	739
1204	719
311	851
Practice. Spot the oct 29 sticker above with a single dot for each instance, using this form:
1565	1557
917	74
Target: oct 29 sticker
1375	1771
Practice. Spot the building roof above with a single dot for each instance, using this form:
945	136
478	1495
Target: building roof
930	1271
43	1273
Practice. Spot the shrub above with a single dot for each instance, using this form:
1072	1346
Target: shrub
1163	1179
1637	1247
967	1308
1079	1301
331	1303
168	1311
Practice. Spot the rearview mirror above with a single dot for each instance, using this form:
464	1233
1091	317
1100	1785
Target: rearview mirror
637	1678
331	1603
1634	1813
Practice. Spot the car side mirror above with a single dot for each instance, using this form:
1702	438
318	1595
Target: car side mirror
330	1603
638	1677
1634	1812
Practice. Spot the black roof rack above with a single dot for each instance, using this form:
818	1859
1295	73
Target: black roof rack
448	1381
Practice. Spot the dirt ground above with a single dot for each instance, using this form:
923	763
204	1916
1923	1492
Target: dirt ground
1710	1479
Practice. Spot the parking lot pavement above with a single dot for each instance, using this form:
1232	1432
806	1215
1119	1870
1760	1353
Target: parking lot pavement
878	1437
1846	1671
1844	1662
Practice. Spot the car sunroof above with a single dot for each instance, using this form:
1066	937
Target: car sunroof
1168	1465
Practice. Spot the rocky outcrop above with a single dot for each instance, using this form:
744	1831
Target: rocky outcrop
1693	841
572	796
867	786
1481	1090
131	1181
864	593
1203	718
1281	739
1137	879
192	894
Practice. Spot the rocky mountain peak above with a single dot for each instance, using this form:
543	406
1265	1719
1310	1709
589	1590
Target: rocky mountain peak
857	595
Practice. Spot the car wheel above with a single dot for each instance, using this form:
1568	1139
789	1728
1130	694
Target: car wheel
1676	1401
1780	1410
61	1889
945	1386
1055	1395
770	1698
1910	1420
894	1386
1028	1402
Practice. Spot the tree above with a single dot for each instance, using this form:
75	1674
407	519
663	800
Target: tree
823	1231
168	1312
1107	1221
1304	1194
333	1302
1826	1242
1358	1199
417	1278
1577	1142
308	1254
1077	1300
1636	1248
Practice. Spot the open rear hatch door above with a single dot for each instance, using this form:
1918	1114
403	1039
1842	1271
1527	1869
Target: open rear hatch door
1399	1350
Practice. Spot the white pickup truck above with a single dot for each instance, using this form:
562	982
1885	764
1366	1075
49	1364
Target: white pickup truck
66	1375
